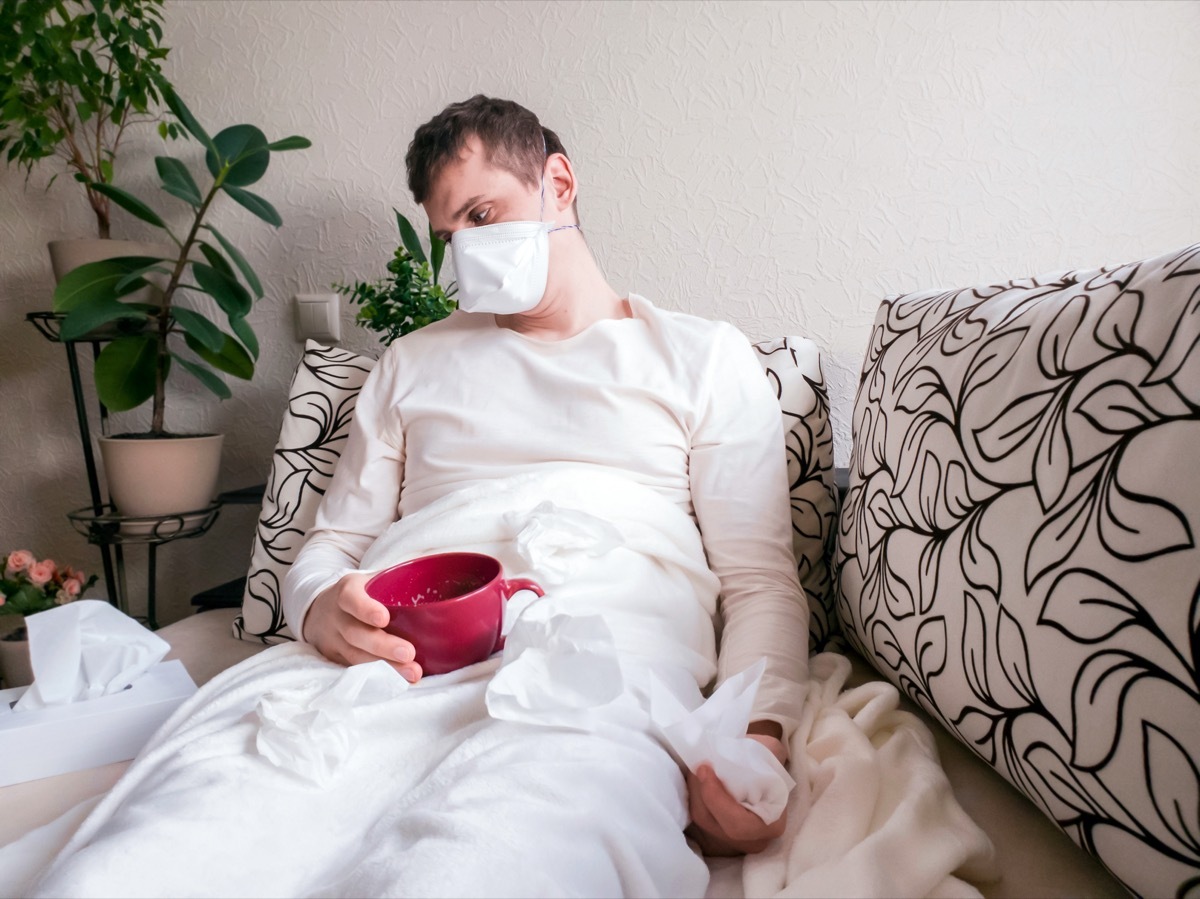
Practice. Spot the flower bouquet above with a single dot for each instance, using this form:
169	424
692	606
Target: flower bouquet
30	586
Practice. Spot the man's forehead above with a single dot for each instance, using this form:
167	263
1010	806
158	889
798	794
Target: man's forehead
463	178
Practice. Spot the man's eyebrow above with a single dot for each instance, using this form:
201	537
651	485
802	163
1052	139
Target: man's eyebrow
462	210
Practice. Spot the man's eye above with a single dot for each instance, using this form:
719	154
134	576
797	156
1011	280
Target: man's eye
479	217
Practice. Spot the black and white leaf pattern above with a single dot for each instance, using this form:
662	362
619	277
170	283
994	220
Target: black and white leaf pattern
793	367
315	426
1030	446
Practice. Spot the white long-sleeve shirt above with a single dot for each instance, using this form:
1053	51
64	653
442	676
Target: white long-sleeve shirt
675	402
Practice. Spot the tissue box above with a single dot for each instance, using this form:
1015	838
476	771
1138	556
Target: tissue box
44	742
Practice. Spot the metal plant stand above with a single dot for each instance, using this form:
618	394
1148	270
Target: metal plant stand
103	526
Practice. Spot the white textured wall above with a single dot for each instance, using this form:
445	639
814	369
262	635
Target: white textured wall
779	165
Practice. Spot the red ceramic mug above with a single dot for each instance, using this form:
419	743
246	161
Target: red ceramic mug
449	606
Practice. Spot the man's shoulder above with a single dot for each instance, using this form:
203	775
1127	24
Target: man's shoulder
457	326
686	329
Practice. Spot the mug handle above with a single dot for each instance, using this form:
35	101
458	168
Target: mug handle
517	584
511	587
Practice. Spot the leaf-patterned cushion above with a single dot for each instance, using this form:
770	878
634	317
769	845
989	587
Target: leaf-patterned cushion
315	425
1017	549
793	366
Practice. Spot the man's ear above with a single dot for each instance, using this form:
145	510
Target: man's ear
561	186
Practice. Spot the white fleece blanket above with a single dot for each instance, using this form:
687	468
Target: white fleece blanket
288	775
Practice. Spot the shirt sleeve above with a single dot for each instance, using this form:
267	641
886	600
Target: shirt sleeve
739	484
362	499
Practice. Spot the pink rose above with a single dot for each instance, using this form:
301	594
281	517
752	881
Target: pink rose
19	560
71	587
3	599
40	573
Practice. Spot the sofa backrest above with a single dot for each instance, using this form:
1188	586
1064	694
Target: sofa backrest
1018	545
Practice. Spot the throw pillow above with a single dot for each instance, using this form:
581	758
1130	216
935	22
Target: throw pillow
315	426
1018	547
793	366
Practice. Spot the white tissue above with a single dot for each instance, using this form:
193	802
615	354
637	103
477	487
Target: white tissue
554	670
311	736
553	540
83	650
715	732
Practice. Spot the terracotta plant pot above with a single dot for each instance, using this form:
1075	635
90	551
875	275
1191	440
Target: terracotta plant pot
161	475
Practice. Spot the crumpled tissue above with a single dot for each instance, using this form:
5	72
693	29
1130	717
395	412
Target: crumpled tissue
83	650
715	733
554	540
311	735
555	669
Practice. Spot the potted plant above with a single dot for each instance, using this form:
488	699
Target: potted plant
29	586
160	473
410	297
74	77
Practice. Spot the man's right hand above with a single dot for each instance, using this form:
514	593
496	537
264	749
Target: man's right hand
346	626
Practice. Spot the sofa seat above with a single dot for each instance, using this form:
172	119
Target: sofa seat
1035	857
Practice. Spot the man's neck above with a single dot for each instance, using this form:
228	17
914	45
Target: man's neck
577	295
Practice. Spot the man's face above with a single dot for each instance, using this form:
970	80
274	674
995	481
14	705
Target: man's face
470	192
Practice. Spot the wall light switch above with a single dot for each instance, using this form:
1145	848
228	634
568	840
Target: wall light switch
318	318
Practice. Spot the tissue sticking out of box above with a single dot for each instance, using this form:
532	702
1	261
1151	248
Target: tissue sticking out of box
83	650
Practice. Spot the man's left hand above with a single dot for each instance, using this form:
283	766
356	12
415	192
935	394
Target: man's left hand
720	824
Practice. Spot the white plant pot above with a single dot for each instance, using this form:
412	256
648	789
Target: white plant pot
69	254
66	255
150	476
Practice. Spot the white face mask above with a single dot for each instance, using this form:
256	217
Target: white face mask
502	268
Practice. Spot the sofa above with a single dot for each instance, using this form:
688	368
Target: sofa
1012	546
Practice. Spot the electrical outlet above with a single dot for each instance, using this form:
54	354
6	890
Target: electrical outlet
318	318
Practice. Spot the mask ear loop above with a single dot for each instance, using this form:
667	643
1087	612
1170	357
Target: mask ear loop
542	210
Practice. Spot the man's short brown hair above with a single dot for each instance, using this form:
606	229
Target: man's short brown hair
512	138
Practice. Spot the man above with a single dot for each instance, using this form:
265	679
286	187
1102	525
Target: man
478	165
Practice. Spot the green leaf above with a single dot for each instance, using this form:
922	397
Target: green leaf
138	273
97	281
205	377
125	372
240	261
106	171
408	236
254	203
177	180
86	318
437	253
185	117
163	130
231	358
295	142
129	203
229	294
244	333
216	260
84	110
198	326
243	148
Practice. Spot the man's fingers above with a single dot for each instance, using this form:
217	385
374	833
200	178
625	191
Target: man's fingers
736	821
379	644
355	602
